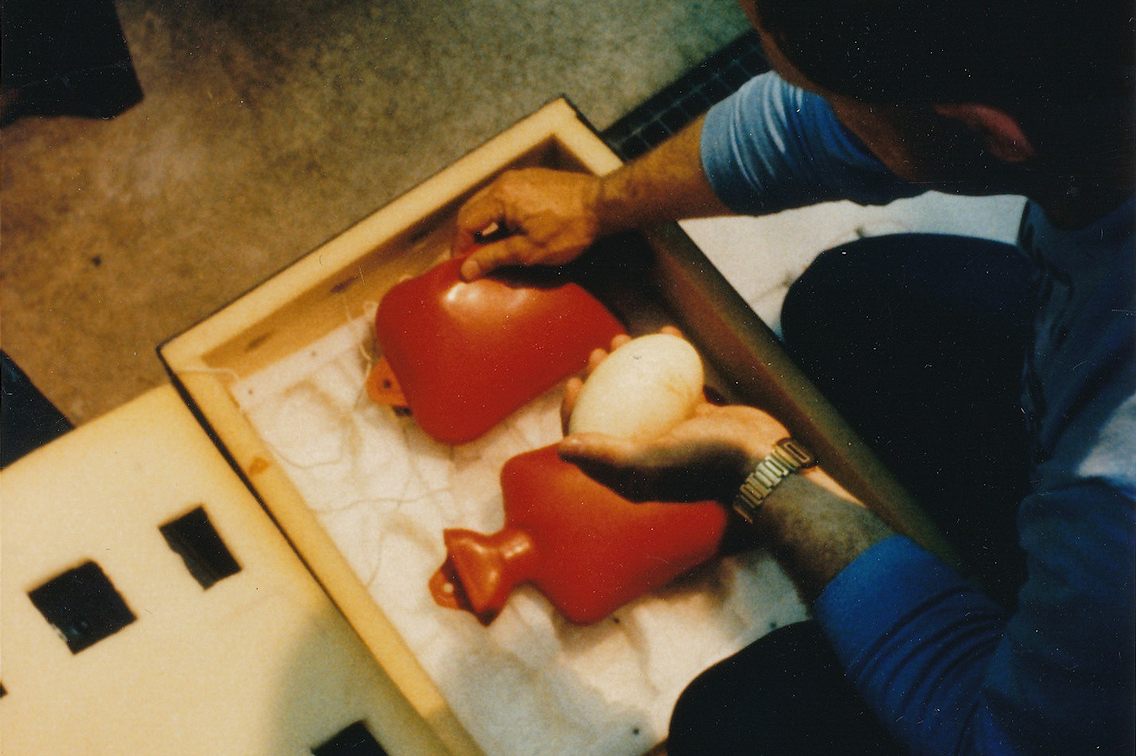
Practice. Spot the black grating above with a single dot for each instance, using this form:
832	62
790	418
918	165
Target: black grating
667	112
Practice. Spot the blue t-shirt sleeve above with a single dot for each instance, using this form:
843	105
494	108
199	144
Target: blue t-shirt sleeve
948	673
772	146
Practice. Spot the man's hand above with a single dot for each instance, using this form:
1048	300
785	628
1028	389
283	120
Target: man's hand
548	218
813	526
704	457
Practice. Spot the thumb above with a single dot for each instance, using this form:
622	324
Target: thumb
568	403
610	462
597	448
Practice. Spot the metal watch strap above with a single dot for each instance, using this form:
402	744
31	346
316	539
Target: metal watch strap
787	457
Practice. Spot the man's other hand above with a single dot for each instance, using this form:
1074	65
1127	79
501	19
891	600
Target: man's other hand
704	457
531	216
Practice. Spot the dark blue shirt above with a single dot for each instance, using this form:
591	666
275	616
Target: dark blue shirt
942	665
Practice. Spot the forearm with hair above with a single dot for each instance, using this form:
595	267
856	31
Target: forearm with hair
812	527
666	184
814	532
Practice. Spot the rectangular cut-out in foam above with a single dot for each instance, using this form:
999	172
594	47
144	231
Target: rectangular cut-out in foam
353	740
193	537
83	605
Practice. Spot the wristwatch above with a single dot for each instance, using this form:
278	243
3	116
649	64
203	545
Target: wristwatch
788	456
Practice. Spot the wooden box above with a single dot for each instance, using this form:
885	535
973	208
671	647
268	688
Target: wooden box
647	280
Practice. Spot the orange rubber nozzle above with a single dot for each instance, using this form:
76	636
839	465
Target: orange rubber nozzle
383	387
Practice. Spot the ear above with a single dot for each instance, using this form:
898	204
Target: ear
998	129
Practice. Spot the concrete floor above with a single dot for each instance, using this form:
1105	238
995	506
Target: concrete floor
268	127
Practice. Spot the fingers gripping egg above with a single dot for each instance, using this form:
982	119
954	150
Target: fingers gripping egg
641	390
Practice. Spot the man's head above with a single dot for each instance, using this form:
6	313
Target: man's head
1001	52
1019	76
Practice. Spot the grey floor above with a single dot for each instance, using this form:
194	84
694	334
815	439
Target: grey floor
267	128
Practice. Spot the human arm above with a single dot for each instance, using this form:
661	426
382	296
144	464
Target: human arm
947	670
813	527
942	666
550	217
811	523
769	147
951	673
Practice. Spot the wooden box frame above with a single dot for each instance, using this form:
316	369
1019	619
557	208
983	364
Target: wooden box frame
311	297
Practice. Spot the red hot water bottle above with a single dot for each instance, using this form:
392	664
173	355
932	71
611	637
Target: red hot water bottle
466	355
586	548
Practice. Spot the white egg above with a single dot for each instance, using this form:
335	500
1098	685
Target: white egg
641	390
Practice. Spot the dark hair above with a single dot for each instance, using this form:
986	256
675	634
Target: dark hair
1002	52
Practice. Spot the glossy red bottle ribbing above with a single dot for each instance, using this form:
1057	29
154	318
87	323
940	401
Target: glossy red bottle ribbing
465	355
586	548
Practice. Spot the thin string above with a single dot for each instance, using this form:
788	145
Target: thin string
367	357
